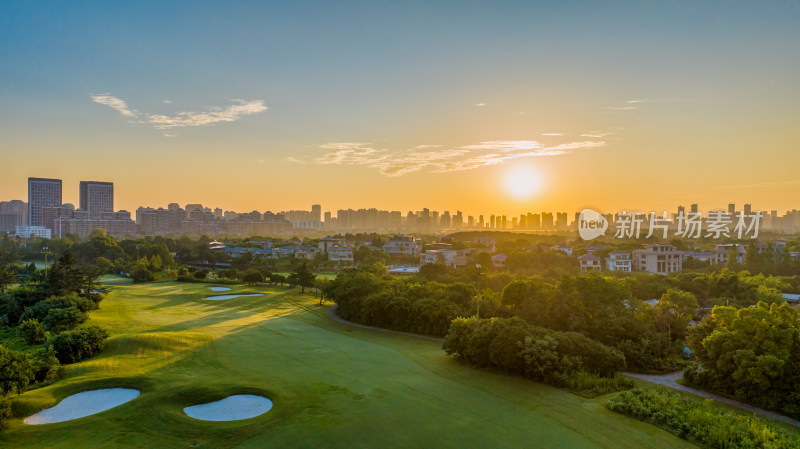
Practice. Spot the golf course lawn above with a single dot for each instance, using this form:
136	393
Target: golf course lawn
332	385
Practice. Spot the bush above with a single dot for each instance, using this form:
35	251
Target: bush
142	274
565	359
16	371
33	332
703	422
59	320
79	344
5	411
46	365
200	274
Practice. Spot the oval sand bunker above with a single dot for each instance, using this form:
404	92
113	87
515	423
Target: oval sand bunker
232	408
219	289
221	297
83	404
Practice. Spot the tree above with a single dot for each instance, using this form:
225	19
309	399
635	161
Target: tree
33	332
303	276
7	277
16	371
200	274
253	277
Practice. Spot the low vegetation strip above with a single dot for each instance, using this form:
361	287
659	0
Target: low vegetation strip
701	421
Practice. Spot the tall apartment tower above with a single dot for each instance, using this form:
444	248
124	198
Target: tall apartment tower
96	197
42	192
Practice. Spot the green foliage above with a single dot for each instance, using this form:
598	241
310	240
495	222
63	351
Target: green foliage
368	295
200	274
703	422
564	359
752	354
5	412
252	277
46	365
32	332
302	276
79	344
16	371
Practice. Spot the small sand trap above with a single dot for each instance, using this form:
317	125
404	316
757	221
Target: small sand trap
219	289
232	408
221	297
83	404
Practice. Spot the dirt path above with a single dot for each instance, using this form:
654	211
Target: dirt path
332	314
670	380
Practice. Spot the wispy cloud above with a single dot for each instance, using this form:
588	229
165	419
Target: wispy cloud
552	134
480	104
505	145
440	160
167	102
214	115
114	103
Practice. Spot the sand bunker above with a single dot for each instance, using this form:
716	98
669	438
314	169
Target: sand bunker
221	297
232	408
83	404
219	289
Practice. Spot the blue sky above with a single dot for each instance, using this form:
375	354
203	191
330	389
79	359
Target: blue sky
698	87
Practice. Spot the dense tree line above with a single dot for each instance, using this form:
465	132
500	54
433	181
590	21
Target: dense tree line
368	295
604	309
517	347
45	312
751	353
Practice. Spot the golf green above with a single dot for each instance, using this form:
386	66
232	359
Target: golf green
332	385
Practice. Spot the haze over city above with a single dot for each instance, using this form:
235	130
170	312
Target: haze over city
485	108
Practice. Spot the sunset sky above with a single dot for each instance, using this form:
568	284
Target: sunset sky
404	105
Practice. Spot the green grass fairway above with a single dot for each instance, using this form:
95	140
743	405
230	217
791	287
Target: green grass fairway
333	385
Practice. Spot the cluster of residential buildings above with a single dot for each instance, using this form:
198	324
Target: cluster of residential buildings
666	259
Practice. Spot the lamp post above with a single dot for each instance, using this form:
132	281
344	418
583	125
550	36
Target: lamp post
45	251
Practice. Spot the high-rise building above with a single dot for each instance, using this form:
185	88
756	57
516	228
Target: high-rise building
748	209
96	197
732	208
42	192
693	208
316	213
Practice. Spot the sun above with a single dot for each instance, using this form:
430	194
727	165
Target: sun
522	182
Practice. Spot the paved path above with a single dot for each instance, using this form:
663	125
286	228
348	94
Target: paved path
332	314
669	380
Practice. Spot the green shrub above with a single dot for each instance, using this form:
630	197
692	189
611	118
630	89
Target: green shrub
700	421
79	344
5	411
33	332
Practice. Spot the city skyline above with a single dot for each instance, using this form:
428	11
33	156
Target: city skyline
519	106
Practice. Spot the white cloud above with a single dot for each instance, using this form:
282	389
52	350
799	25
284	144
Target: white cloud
468	157
216	115
114	103
505	145
634	101
169	135
424	147
230	113
480	104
